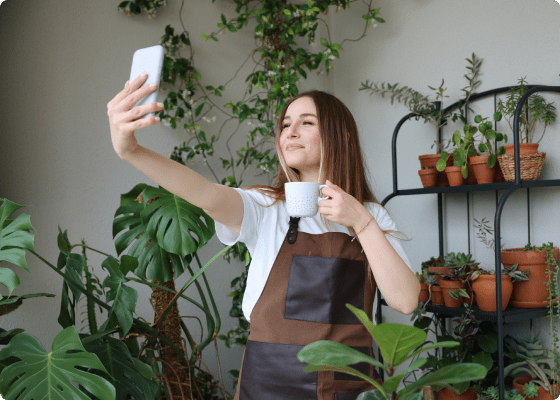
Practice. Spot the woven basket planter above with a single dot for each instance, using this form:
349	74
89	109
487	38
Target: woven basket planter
530	165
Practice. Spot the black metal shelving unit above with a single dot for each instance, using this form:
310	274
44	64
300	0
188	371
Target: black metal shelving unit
511	314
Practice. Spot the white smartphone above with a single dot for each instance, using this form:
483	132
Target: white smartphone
150	60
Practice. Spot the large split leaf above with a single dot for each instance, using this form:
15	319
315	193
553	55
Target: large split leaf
124	298
40	375
168	224
122	367
15	237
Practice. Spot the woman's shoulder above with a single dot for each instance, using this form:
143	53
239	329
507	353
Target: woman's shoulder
258	196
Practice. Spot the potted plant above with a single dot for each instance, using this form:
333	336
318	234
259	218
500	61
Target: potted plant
436	266
397	343
536	111
484	285
454	286
541	262
484	165
430	111
464	149
429	176
426	280
547	381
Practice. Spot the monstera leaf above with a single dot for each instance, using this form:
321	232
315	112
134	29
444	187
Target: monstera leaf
14	239
124	298
40	375
129	381
168	224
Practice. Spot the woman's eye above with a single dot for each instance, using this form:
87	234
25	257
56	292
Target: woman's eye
285	126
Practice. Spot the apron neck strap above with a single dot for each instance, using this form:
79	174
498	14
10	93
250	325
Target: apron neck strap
291	236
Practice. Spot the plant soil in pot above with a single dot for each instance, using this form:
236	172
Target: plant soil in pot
449	394
437	297
454	175
534	292
543	394
429	177
524	148
485	288
451	285
483	173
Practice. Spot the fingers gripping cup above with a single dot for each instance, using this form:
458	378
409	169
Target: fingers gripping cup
302	198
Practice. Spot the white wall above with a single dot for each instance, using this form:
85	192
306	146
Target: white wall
62	61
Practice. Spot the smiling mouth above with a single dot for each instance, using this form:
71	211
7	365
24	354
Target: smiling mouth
294	148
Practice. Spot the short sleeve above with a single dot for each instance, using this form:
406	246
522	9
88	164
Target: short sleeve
386	223
253	215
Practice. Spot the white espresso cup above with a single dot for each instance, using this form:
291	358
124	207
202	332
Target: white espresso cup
302	198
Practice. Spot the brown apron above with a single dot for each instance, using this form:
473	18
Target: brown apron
303	301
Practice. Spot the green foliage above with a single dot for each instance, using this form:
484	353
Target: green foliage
537	108
15	237
131	376
39	374
397	343
422	106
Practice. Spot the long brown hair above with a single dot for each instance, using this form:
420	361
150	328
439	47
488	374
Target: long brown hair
341	155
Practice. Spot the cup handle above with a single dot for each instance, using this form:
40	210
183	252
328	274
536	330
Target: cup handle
322	198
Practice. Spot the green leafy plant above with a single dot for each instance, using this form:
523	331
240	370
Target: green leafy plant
538	110
510	271
397	343
422	106
26	361
483	229
489	137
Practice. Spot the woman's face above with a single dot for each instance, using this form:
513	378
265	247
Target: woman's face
300	139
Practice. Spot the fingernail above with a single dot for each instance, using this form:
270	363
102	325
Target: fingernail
143	74
153	84
157	119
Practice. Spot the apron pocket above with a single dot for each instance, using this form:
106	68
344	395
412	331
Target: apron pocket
362	367
272	371
320	287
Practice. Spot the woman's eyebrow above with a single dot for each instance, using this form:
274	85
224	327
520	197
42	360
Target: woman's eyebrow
302	115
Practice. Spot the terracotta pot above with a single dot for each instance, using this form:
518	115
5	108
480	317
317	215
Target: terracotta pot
454	175
524	148
424	293
431	159
534	292
437	297
483	173
471	178
429	177
485	289
449	394
451	285
543	394
440	271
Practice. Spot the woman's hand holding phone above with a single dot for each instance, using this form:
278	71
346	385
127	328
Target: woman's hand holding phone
125	120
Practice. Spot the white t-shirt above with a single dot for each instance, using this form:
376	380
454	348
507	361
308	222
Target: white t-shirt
263	230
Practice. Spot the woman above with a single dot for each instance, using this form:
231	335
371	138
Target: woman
302	272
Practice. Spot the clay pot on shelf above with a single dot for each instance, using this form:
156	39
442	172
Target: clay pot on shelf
449	394
471	178
534	292
543	394
451	285
427	160
429	177
454	175
485	288
437	297
440	271
483	173
424	293
524	148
